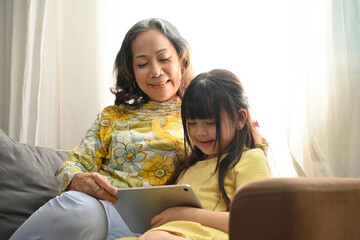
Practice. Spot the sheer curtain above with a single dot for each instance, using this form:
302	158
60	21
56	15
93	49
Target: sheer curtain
301	56
52	81
56	68
323	128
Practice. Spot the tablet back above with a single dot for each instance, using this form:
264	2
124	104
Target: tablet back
137	206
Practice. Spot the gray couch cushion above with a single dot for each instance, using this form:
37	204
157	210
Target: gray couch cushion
27	181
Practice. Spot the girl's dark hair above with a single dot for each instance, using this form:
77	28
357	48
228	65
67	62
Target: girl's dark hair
208	96
126	90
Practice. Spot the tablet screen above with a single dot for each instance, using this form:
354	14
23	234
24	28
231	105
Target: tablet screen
137	206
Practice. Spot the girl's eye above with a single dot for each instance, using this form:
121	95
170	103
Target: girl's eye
191	123
210	123
142	65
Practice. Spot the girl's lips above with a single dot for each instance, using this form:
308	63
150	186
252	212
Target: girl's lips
206	143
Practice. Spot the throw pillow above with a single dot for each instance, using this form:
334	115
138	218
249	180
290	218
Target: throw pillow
27	181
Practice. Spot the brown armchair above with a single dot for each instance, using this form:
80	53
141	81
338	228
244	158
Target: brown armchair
297	209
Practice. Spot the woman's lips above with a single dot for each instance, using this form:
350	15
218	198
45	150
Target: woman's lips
159	85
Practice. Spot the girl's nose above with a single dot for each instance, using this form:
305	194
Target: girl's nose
200	131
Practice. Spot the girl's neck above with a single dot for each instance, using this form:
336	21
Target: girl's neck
209	157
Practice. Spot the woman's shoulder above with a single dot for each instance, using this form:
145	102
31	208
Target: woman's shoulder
110	112
112	108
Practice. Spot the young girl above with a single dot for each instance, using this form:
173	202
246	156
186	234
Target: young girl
226	152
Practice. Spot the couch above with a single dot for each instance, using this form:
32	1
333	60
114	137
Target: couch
26	181
275	209
297	209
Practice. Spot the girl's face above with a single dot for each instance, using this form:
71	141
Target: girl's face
202	133
156	65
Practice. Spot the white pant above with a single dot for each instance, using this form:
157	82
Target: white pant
73	215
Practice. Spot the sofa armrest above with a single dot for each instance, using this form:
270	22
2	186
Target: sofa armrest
27	181
296	209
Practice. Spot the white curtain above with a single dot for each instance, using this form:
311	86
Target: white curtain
52	80
56	59
56	69
323	128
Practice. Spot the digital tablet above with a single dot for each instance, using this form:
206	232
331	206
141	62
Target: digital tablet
137	206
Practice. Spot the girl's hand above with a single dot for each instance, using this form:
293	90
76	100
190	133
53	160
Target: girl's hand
213	219
175	214
93	184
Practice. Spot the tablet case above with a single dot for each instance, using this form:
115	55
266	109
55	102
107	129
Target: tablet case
137	206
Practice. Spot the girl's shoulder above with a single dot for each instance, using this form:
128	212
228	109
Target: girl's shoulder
253	158
253	152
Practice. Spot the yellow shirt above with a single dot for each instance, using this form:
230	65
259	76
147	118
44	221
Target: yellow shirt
252	166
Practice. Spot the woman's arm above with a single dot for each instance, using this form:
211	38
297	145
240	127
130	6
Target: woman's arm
80	171
214	219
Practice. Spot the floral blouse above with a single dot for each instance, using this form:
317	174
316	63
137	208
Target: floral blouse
131	147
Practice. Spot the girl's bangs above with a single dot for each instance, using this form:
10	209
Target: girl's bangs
198	105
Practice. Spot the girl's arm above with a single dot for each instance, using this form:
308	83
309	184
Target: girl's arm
213	219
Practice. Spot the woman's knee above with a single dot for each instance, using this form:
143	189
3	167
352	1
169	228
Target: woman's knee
72	215
82	209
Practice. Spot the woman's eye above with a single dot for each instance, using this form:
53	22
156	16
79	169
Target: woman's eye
165	59
142	65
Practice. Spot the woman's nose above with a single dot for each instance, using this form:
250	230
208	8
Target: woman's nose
156	70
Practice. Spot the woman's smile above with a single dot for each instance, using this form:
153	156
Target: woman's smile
159	85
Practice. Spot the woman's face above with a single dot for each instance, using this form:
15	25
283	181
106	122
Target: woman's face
156	65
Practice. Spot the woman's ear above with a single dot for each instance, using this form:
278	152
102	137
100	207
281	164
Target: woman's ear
183	64
242	118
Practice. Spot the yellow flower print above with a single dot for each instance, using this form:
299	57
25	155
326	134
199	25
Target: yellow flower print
150	106
141	126
156	171
167	123
105	128
163	141
166	133
180	151
129	155
87	160
105	122
111	118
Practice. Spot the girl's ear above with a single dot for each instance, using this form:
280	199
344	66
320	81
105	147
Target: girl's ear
242	118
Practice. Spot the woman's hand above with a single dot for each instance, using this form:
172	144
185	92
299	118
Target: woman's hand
93	184
175	214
